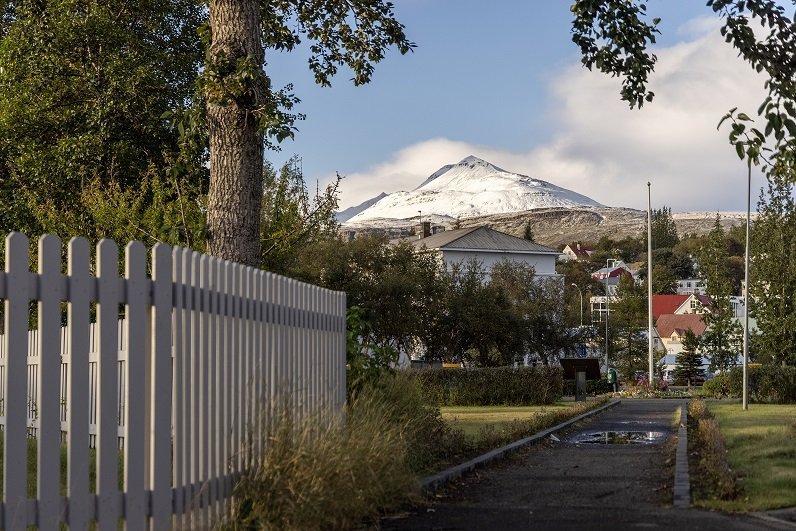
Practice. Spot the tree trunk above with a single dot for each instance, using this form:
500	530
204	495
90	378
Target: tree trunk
236	145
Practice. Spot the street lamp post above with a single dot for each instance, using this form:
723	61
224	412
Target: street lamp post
745	397
581	302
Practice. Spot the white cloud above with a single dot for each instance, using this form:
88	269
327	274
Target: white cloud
601	148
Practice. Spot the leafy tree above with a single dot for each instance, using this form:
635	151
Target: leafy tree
722	339
578	272
291	219
550	334
664	230
629	321
688	368
773	284
399	290
83	87
367	364
614	37
663	280
486	333
528	233
244	110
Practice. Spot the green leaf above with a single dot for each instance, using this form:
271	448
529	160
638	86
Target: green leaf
739	150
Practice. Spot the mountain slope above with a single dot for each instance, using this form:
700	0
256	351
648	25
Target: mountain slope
473	188
350	212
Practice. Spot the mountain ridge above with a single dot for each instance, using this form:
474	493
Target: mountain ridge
470	188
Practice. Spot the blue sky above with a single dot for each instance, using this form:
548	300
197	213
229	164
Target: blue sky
502	80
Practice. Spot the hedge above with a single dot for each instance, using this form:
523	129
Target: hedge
504	386
593	387
769	383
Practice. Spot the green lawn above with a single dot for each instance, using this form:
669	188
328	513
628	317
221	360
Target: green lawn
473	419
761	445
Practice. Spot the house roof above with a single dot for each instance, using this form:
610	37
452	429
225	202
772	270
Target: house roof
664	304
481	239
616	271
579	250
705	300
670	322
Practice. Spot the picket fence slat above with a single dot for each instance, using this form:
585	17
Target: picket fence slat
185	383
178	389
77	383
16	351
134	426
161	387
49	433
107	367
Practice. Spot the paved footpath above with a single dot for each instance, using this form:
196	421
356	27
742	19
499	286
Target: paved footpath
579	483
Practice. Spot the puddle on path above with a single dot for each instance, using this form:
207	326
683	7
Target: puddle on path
618	437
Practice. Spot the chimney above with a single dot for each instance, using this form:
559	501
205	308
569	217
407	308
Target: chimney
424	230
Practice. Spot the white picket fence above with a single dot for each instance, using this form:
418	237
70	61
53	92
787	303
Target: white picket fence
179	381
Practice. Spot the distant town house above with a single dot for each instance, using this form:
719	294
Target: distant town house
670	329
609	276
680	304
488	247
576	251
689	286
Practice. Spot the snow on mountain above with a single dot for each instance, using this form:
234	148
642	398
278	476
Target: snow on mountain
350	212
472	188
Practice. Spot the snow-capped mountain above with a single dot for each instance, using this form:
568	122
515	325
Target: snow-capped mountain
350	212
472	188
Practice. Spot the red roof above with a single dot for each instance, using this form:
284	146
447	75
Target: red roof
663	304
579	250
669	322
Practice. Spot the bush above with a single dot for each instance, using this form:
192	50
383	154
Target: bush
319	476
491	386
593	387
768	383
715	479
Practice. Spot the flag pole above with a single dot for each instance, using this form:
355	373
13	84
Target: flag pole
649	278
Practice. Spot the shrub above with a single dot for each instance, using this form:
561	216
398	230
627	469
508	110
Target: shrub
335	476
768	383
313	478
491	386
593	387
715	479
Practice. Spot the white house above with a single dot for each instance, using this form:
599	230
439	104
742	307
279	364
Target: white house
609	276
489	246
576	251
688	286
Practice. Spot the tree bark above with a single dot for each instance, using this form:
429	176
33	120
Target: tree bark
236	145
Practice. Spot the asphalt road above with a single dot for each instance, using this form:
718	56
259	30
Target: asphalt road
579	482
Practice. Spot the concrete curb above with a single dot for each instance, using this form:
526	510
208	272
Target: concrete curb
682	482
432	483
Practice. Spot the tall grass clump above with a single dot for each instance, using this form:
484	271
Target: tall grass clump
319	475
715	478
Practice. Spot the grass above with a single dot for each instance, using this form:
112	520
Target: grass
32	466
473	419
761	452
484	428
